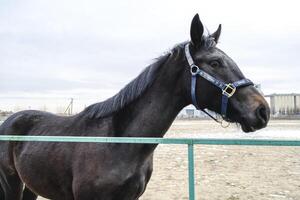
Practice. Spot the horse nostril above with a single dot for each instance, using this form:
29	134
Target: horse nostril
262	114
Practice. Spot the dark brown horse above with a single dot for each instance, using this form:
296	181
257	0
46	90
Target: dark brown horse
146	107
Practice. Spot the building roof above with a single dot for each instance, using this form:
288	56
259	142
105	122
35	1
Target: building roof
281	94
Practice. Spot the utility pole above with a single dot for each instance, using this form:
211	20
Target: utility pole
69	110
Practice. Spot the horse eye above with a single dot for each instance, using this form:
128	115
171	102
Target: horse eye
214	63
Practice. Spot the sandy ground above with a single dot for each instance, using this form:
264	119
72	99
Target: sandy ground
227	172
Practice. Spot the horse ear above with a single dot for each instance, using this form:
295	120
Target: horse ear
196	31
216	35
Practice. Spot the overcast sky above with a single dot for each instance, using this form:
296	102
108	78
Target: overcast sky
53	50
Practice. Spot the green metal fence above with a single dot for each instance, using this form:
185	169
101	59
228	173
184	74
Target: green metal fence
189	142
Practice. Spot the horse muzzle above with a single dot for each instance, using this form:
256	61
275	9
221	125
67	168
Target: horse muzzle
249	109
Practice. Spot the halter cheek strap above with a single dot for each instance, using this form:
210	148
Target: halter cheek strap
228	90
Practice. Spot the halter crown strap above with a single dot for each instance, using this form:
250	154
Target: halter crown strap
227	89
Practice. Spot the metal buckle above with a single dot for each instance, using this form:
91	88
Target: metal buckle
194	69
229	90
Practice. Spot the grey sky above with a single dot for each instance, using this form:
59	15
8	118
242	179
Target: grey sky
90	49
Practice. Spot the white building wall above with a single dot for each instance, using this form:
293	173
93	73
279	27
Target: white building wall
285	104
298	104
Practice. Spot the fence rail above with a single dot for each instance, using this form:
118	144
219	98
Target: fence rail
133	140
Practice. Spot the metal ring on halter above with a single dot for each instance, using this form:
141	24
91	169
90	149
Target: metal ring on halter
224	125
194	69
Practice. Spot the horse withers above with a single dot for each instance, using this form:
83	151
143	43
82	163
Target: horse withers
194	72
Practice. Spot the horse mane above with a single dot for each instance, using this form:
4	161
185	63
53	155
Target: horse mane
129	93
137	86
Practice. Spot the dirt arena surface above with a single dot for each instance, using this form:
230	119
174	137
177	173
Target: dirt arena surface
227	172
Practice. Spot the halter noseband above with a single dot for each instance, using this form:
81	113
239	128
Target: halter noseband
227	89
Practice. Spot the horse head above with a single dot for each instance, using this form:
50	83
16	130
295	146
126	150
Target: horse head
218	84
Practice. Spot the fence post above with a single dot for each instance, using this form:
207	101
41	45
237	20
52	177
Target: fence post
191	171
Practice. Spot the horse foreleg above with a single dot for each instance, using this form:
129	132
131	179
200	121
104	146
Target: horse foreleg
28	194
2	196
13	188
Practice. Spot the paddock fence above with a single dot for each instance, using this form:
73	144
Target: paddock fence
170	141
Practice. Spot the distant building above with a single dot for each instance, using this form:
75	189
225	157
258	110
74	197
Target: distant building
284	104
190	112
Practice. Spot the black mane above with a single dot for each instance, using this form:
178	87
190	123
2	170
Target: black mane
137	87
130	92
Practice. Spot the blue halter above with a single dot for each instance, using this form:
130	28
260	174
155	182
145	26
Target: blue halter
227	89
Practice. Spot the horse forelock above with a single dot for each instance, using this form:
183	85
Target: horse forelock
208	42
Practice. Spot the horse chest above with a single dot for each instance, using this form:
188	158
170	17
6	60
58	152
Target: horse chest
132	187
121	182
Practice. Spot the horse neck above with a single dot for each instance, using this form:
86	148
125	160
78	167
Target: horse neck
153	113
